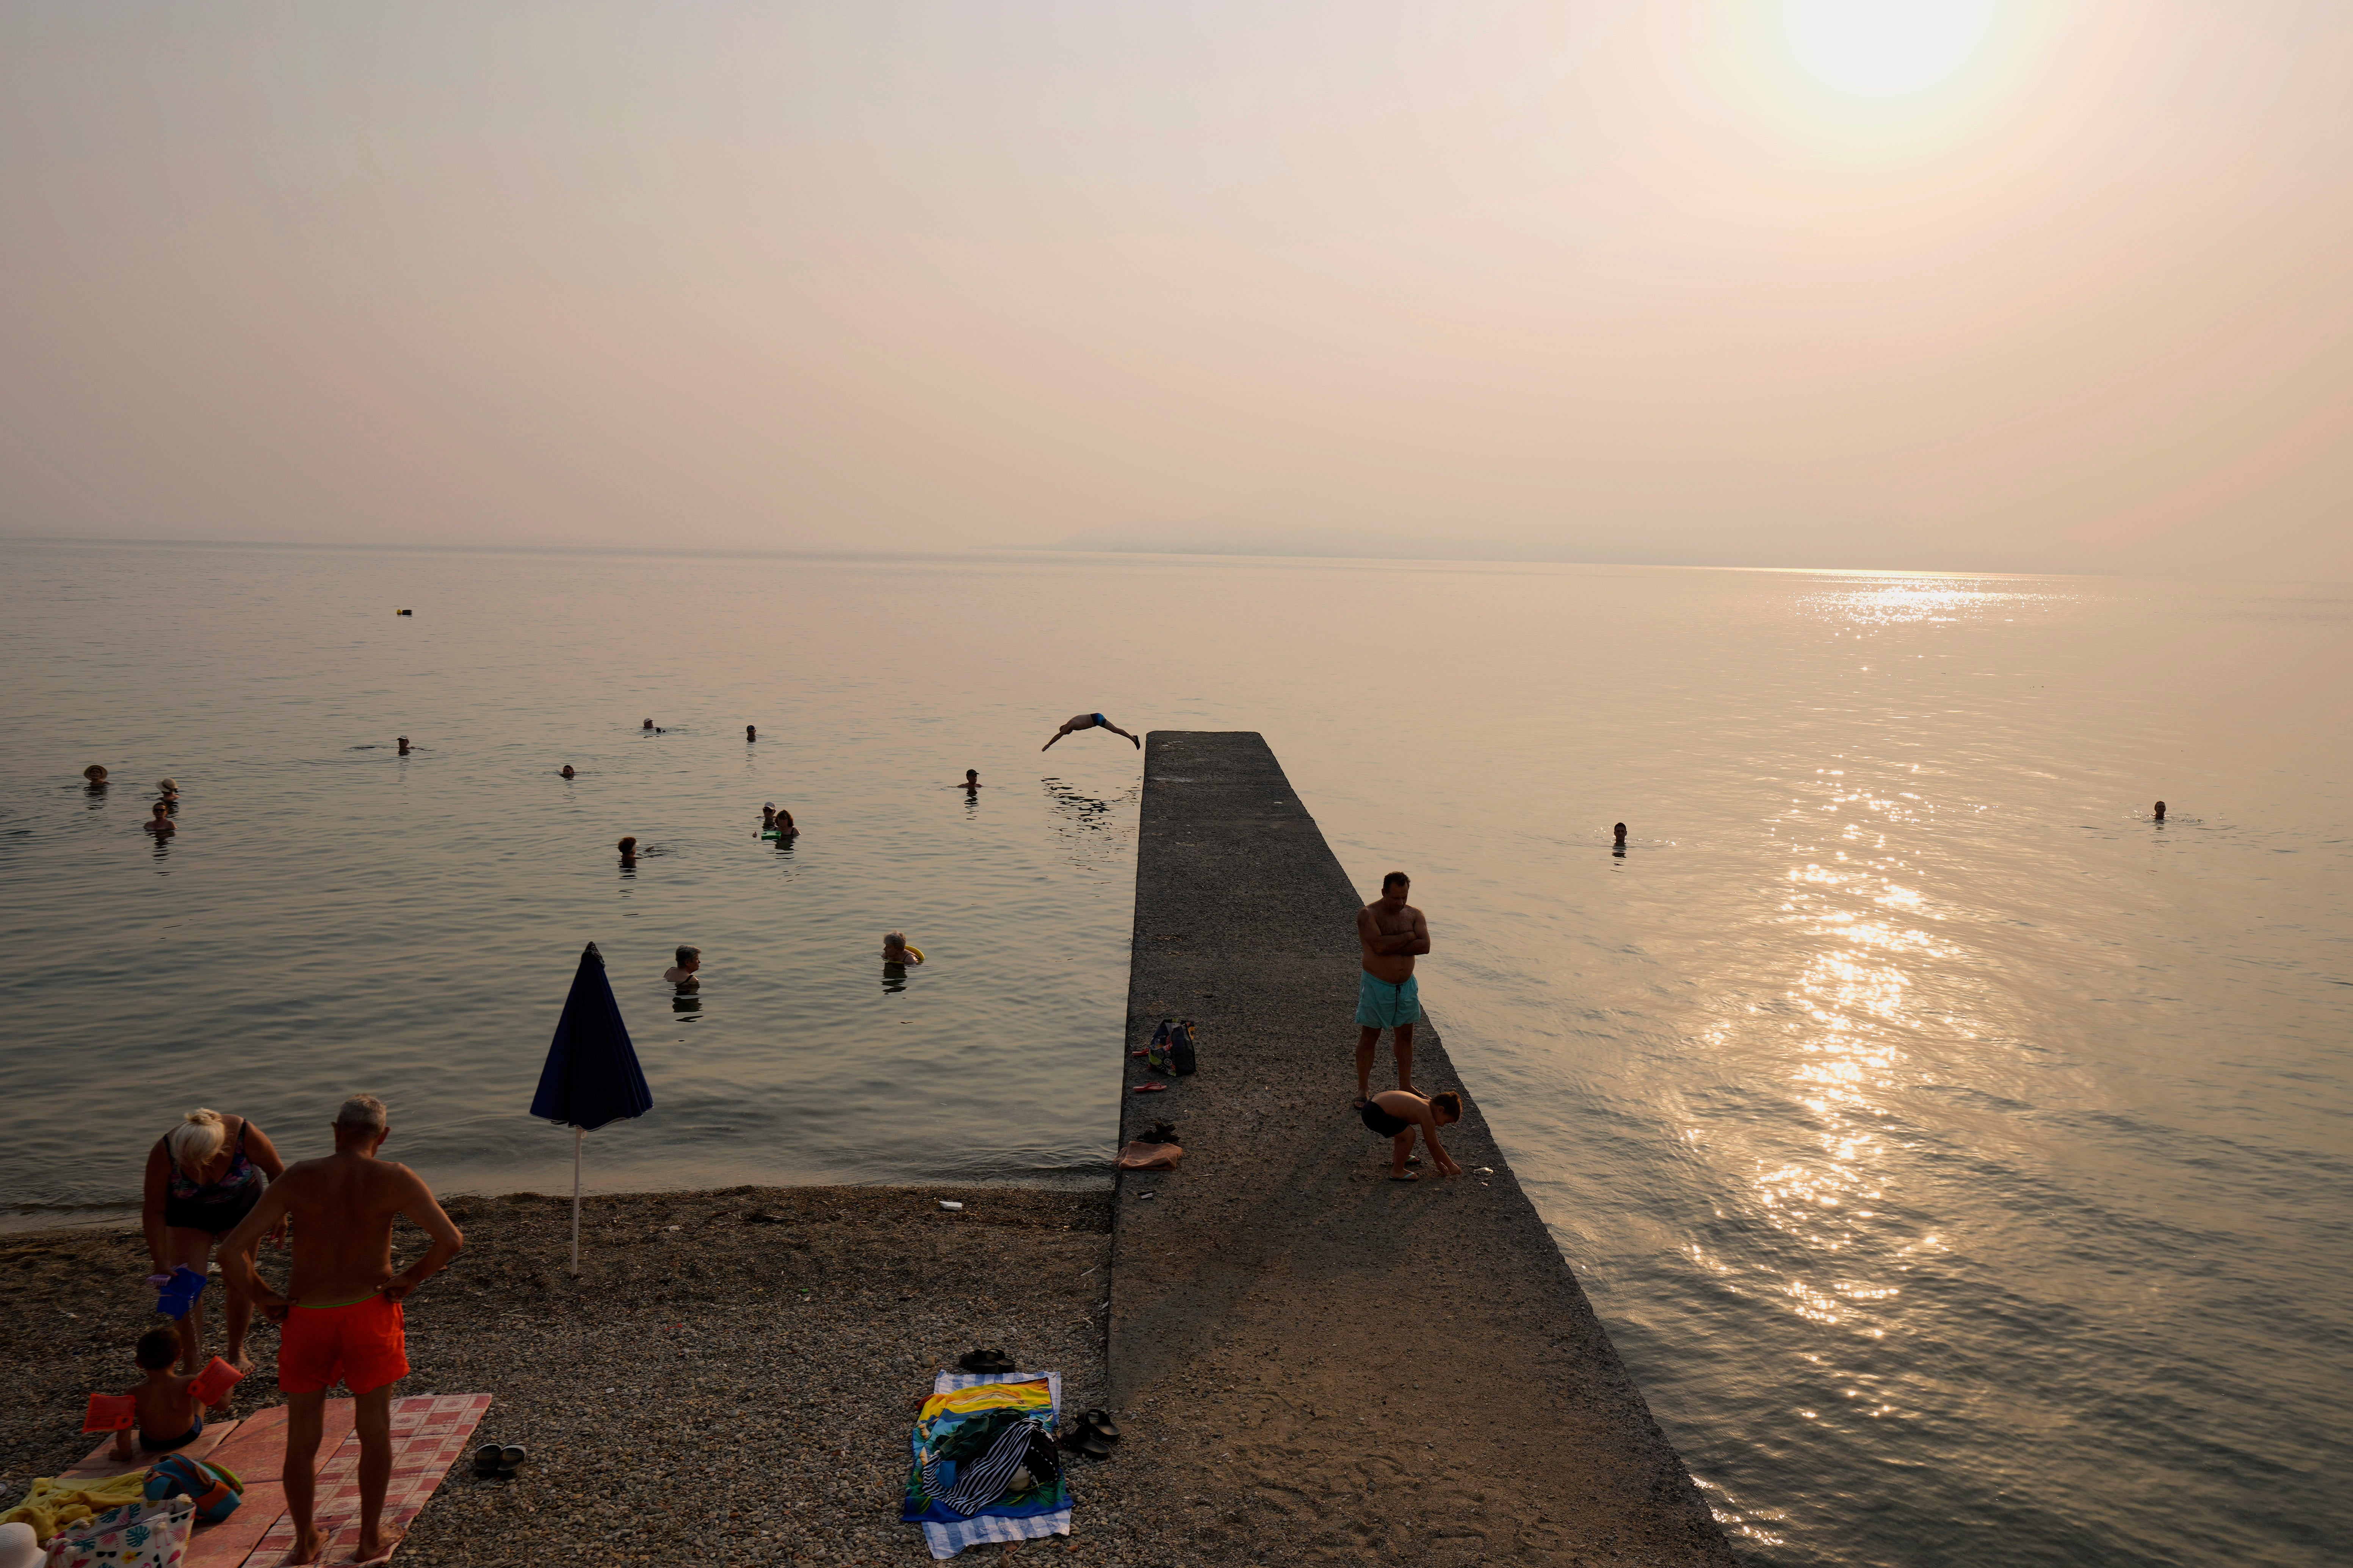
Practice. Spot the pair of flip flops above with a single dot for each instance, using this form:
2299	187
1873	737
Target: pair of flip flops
500	1459
1093	1434
994	1363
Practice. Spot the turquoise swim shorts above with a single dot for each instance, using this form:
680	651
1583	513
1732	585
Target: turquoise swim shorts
1383	1005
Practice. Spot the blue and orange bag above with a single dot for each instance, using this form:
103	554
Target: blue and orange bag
214	1488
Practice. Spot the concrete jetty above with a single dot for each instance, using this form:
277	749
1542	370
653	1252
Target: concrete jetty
1332	1366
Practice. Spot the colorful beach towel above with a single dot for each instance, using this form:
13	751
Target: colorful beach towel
52	1504
972	1446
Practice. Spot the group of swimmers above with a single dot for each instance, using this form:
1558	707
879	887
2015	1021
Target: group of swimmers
167	801
686	974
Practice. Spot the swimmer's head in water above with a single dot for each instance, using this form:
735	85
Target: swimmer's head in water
94	774
2161	811
628	846
568	770
970	774
647	725
162	807
894	942
1446	1105
169	787
687	954
751	733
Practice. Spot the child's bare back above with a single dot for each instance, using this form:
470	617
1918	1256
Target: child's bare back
169	1408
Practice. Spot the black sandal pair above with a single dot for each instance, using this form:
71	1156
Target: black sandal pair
993	1362
1093	1434
493	1460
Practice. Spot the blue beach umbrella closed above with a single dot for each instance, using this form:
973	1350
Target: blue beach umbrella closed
592	1074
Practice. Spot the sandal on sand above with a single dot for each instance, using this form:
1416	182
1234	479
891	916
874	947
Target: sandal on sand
982	1360
1409	1176
486	1460
1148	1089
1101	1424
511	1459
1085	1439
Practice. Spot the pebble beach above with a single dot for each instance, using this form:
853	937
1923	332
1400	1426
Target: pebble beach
729	1379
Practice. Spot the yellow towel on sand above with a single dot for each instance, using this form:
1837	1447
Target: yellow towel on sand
51	1505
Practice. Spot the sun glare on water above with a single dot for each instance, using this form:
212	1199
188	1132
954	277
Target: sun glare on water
1884	49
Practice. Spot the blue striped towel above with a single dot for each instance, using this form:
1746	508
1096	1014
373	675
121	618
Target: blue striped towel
946	1540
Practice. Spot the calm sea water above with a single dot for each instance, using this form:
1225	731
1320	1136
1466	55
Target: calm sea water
1963	1161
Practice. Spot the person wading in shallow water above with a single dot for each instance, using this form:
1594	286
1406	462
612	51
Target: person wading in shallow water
342	1310
1391	933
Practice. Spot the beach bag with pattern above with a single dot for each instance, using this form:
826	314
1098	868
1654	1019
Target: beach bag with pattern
136	1535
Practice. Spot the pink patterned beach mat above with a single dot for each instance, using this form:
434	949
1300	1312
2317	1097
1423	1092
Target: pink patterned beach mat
429	1432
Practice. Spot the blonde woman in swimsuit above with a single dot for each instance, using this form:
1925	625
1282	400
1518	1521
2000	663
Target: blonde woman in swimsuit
204	1177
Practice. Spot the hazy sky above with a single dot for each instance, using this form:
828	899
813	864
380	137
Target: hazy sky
1969	286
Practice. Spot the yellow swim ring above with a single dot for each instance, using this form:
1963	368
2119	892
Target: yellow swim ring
916	951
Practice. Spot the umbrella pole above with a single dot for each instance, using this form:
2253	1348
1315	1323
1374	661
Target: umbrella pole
577	1136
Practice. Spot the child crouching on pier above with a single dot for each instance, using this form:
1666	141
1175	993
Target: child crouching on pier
1397	1113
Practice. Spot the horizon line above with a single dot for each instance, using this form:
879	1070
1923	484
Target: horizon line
718	552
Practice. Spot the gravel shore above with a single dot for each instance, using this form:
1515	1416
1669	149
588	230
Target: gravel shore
730	1380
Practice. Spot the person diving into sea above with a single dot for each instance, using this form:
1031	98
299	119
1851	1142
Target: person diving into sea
1087	721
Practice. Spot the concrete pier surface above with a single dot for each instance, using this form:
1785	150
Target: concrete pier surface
1332	1366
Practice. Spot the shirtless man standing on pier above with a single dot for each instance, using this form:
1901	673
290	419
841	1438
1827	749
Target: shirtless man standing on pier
1392	933
340	1313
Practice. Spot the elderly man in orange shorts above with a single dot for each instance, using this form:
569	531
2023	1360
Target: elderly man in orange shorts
340	1313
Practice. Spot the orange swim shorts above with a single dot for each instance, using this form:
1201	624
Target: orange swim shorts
358	1343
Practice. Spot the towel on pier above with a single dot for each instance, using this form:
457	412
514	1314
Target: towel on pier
1001	1420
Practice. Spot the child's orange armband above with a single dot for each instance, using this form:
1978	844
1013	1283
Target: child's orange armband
212	1383
111	1413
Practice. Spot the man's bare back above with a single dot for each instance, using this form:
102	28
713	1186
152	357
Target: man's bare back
342	1207
341	1313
